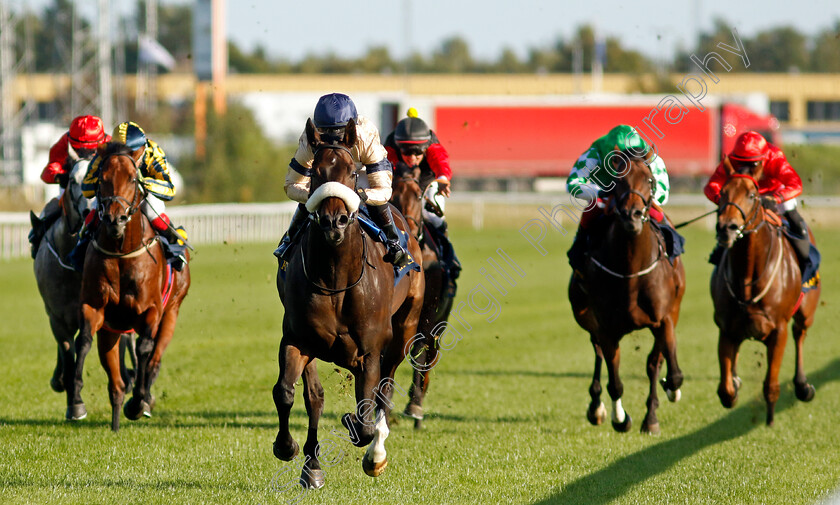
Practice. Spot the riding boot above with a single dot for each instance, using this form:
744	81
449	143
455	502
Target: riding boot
449	259
76	257
717	254
176	237
42	223
577	252
284	249
799	237
396	253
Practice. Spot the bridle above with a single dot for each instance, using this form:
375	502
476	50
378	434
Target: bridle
754	213
129	207
647	201
405	178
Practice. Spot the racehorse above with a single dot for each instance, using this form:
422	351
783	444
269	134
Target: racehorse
126	285
629	283
756	289
341	306
408	197
59	284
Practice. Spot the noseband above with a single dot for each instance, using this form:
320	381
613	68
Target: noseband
647	201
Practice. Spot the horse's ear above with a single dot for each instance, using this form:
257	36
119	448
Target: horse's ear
350	133
728	169
312	135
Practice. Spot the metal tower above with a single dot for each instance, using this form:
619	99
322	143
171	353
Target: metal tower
90	73
13	115
146	100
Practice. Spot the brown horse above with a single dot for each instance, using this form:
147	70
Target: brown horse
341	306
629	284
126	285
756	290
408	198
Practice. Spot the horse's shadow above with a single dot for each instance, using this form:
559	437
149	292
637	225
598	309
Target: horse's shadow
612	482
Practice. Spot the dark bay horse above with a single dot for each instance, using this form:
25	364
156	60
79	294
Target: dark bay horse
756	289
629	283
341	306
126	285
408	197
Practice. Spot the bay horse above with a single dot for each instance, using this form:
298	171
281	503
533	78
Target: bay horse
408	197
341	306
629	283
126	285
757	289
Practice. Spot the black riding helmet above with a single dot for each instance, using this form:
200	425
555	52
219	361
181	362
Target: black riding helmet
412	133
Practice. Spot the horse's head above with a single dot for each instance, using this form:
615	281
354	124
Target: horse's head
120	192
633	191
408	195
333	202
74	202
739	204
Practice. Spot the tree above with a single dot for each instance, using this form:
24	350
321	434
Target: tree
779	49
825	57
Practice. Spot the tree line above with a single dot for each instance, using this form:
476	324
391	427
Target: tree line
776	49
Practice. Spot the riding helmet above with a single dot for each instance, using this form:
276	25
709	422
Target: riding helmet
334	111
130	134
86	132
750	146
412	131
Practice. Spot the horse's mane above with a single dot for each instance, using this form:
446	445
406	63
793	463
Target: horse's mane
114	148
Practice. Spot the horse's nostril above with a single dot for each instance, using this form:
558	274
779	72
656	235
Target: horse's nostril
343	220
732	227
123	219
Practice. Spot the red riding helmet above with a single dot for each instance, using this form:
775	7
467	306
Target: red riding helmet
86	132
750	146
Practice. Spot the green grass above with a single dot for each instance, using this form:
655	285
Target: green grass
505	413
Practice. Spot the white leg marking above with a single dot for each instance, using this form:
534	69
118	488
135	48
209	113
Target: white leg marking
618	411
376	450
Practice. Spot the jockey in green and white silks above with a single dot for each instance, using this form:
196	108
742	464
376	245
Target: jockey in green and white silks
589	177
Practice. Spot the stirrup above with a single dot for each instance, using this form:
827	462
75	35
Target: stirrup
284	247
396	254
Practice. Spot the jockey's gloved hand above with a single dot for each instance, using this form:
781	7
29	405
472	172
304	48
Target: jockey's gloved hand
770	202
362	194
62	179
444	187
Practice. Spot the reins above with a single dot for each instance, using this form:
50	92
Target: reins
331	290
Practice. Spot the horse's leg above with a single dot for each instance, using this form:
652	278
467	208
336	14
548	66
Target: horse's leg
139	404
621	420
414	407
775	343
162	339
361	423
596	413
90	321
654	361
128	346
666	338
729	381
109	355
64	367
291	364
801	322
312	477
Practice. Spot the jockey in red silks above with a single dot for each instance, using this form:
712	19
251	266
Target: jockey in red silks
779	185
86	133
413	144
331	115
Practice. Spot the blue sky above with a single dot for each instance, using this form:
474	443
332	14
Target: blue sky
291	29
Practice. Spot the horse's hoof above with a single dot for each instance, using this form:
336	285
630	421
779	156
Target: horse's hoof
418	424
285	455
413	411
134	409
805	393
650	429
312	478
624	426
673	396
736	383
57	385
355	437
76	412
374	469
598	416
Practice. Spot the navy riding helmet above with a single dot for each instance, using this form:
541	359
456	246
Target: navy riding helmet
334	111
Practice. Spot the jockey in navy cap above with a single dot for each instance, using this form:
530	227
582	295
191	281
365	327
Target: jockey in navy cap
332	113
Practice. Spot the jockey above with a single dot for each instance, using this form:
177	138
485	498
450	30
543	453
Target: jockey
158	186
413	144
332	113
86	133
779	185
589	180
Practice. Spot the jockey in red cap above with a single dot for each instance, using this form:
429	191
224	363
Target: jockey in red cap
779	185
86	133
